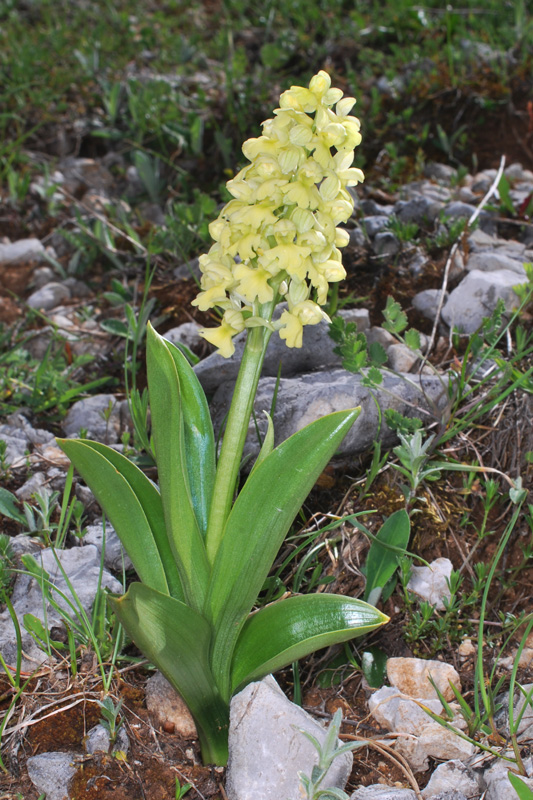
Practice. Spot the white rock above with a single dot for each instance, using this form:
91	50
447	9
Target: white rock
186	334
452	775
49	296
167	708
411	677
431	583
98	740
379	792
51	773
496	780
23	250
115	557
401	358
267	750
476	296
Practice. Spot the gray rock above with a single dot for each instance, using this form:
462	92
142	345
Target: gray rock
516	172
487	261
375	224
186	334
267	750
401	358
315	354
89	414
382	336
22	251
379	792
359	316
23	543
426	739
458	209
452	776
17	442
32	485
452	794
357	237
98	740
50	296
372	209
308	397
167	708
189	269
42	276
476	298
431	583
419	209
82	567
386	244
77	288
115	557
427	302
417	261
497	783
51	774
440	172
81	174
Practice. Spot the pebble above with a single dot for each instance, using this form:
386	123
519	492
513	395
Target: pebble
23	250
51	773
431	583
411	676
49	296
167	709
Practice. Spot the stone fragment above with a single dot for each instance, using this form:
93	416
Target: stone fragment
375	224
451	794
167	709
308	397
440	172
386	244
359	316
497	783
476	296
17	443
50	296
51	774
423	737
90	414
115	557
401	358
186	334
98	740
23	250
381	336
379	792
432	583
427	302
487	261
419	209
411	677
42	276
452	776
81	174
267	749
32	485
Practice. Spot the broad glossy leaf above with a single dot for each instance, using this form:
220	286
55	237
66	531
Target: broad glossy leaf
287	630
122	507
177	639
382	561
258	523
199	437
168	433
148	496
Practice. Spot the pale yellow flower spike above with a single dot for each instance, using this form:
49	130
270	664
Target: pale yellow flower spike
278	238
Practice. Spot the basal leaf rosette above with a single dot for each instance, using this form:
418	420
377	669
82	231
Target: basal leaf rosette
278	238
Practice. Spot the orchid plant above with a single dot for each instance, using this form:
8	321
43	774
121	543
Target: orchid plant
201	552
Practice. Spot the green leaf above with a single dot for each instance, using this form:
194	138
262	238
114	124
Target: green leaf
259	521
168	431
412	339
522	789
382	562
8	507
199	437
268	442
395	318
116	327
374	666
287	630
122	505
177	640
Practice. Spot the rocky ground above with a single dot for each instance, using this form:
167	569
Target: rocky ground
419	244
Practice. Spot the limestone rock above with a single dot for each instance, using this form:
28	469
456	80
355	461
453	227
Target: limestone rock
267	750
379	792
90	414
452	775
411	677
167	709
476	298
431	583
51	774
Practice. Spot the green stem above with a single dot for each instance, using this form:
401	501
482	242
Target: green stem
235	436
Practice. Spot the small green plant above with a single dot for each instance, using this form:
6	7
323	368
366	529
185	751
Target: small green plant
181	789
110	717
404	231
327	753
6	563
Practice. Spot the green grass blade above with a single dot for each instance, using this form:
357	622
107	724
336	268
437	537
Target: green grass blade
287	630
168	433
258	523
122	507
199	437
177	640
